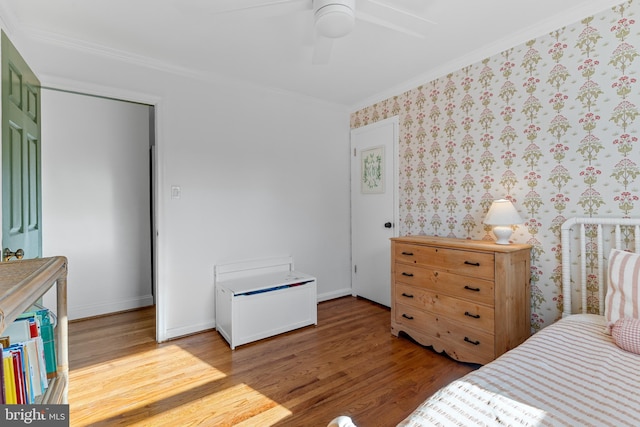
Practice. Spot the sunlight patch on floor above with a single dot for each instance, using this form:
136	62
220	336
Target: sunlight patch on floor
197	389
138	373
238	402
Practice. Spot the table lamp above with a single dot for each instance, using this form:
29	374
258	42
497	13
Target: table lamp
502	215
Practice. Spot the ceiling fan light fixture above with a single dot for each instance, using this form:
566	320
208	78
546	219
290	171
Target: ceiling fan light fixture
334	18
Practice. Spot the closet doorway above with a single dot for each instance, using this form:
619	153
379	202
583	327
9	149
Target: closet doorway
97	203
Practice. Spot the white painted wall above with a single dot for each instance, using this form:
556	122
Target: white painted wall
96	201
262	174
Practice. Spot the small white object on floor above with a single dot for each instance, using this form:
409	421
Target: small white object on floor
341	421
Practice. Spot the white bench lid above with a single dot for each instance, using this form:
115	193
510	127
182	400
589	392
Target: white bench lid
265	281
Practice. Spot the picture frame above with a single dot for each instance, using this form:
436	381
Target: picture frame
372	170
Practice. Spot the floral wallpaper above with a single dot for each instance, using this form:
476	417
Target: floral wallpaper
551	125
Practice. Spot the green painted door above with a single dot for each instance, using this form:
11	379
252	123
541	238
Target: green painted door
21	182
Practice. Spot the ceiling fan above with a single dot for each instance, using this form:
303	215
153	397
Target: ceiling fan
334	19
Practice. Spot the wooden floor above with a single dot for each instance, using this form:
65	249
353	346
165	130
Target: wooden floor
349	364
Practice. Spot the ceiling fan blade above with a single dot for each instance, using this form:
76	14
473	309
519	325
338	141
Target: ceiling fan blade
391	17
322	50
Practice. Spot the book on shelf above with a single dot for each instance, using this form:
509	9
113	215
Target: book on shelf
18	374
18	330
45	326
28	357
8	379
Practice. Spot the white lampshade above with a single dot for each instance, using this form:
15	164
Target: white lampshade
334	18
502	215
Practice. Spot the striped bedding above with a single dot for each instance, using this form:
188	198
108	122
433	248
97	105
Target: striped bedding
569	374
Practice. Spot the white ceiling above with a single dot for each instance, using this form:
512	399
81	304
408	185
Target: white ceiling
271	47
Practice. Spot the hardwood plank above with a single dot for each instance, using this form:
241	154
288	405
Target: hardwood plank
349	364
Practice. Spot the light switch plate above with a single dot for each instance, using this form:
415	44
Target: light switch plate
176	191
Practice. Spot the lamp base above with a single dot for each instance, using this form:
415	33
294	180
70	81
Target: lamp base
502	232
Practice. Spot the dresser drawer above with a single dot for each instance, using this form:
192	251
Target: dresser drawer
464	312
467	287
470	346
460	342
468	263
469	298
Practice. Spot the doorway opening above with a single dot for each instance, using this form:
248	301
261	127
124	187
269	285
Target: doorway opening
98	174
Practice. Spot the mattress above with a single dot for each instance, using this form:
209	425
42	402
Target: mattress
570	373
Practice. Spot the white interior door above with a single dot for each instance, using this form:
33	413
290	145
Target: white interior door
374	208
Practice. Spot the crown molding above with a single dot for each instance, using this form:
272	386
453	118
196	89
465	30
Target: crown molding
93	49
588	8
7	19
15	28
88	48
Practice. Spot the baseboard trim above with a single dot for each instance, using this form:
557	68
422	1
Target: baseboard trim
190	330
335	294
174	333
107	307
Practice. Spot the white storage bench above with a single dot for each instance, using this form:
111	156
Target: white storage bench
261	298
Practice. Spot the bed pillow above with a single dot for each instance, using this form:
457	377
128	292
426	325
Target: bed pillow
626	334
623	293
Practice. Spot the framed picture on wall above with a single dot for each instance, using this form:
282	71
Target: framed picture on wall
372	170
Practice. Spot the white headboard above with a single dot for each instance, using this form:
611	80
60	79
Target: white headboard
595	236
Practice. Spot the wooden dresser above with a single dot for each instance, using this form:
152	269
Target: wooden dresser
468	298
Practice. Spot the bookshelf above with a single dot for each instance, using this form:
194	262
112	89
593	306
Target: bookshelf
21	284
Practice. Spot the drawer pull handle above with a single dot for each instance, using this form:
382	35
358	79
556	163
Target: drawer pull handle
407	253
407	274
472	289
475	264
475	316
407	316
471	342
407	295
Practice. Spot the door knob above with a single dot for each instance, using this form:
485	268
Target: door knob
388	225
7	254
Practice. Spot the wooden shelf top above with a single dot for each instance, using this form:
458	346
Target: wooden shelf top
24	281
483	245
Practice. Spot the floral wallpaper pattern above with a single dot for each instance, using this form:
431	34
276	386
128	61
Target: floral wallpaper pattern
551	125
